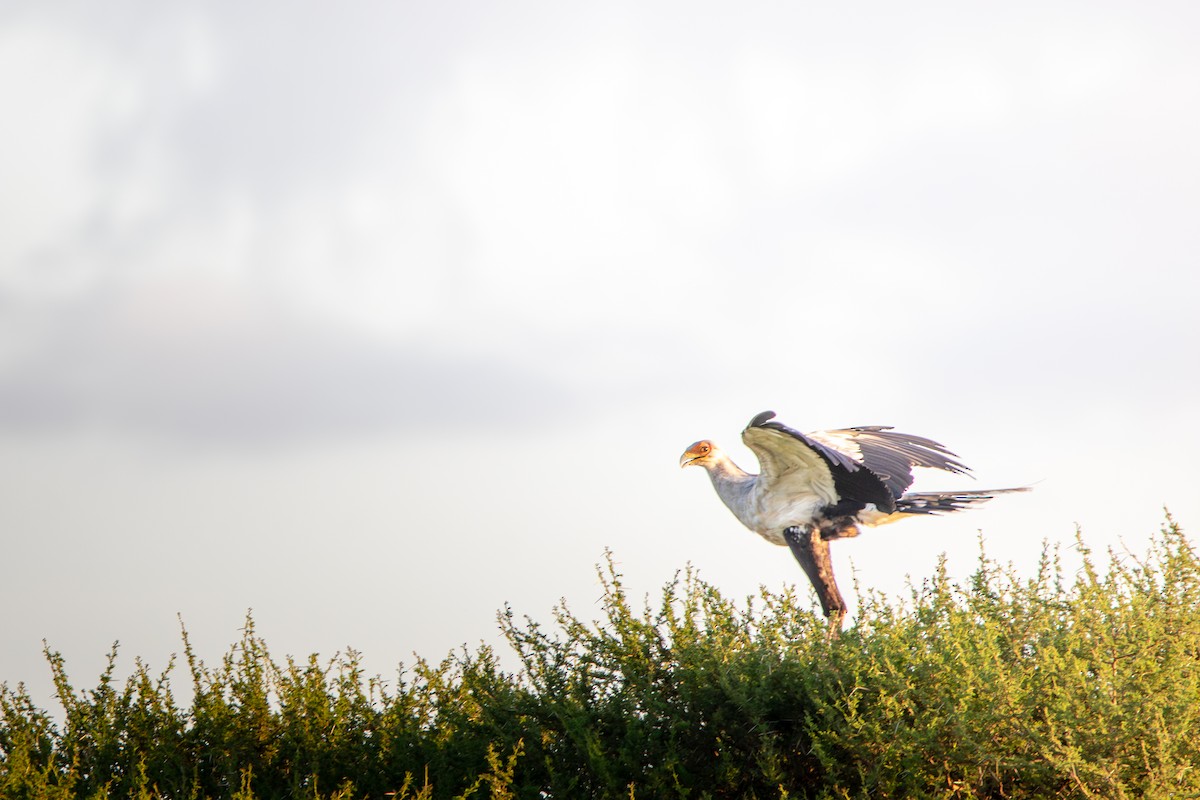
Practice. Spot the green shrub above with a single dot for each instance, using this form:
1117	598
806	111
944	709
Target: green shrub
1066	684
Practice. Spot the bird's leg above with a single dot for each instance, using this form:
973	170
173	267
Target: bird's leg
812	552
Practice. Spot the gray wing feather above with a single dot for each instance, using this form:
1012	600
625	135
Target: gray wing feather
892	455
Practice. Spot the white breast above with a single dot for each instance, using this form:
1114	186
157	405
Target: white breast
770	507
769	513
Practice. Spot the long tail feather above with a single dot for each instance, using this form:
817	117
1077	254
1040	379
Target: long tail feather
946	502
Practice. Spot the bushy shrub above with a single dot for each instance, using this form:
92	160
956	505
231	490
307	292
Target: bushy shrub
1057	685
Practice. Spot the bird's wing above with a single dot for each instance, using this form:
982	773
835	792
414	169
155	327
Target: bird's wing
788	456
889	454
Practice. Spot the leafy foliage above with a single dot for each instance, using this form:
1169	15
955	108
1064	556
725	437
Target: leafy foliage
1055	686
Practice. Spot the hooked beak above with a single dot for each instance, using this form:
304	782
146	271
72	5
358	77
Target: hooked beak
686	460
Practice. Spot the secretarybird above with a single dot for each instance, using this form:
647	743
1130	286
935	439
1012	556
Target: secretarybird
817	487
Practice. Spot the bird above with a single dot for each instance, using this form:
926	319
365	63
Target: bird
818	487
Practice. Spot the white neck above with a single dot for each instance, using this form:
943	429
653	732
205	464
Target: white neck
731	482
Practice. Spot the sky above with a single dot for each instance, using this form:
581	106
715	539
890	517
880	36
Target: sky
376	318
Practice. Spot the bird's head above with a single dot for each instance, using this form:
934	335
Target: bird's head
702	453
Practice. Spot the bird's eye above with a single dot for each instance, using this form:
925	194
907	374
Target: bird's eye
704	448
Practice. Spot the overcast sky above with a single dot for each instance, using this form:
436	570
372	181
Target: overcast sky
373	319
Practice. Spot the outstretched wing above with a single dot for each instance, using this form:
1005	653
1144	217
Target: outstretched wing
787	457
889	454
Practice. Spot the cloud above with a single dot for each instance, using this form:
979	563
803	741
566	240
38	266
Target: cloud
62	94
410	216
194	363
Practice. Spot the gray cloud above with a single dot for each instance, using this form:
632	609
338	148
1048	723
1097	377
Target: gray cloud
259	378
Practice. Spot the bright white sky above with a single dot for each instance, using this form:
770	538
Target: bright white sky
375	319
